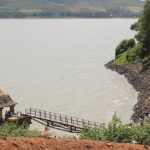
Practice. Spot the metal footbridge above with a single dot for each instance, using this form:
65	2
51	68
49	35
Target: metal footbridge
59	121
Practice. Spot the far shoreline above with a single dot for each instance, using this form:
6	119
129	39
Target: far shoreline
46	18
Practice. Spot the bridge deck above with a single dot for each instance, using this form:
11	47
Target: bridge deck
59	121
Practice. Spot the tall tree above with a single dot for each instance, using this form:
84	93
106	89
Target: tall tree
144	31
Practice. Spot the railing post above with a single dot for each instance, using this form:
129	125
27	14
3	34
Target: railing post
49	115
83	122
66	119
71	120
55	116
60	118
40	113
88	123
47	123
45	114
77	122
30	111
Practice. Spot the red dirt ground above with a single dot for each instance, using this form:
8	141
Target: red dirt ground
41	143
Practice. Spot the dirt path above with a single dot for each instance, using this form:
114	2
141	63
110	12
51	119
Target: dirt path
40	143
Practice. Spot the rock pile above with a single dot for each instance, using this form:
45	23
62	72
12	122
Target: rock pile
141	82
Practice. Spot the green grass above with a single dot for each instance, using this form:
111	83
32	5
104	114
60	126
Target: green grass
121	59
130	56
116	131
14	130
133	54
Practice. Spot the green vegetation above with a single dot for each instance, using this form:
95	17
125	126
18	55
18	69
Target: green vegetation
11	129
144	31
70	8
139	51
135	26
130	55
118	132
124	46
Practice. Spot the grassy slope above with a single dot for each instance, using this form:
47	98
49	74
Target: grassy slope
70	5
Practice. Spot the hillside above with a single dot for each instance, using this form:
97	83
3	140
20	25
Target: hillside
60	8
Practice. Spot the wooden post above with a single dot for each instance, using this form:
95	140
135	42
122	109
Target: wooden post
48	123
77	122
82	122
45	114
60	118
55	117
49	115
70	128
71	120
88	123
40	113
66	119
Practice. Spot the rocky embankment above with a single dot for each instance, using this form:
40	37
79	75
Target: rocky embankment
140	79
41	143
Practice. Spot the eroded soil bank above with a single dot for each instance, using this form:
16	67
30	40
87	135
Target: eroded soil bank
40	143
140	79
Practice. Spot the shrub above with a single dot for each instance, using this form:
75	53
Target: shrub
135	26
141	133
121	59
124	46
118	132
11	129
132	55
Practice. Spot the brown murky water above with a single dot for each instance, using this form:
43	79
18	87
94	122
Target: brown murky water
58	65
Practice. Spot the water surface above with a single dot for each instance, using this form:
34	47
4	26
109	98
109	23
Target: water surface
58	65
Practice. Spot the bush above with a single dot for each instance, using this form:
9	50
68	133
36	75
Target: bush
117	132
141	134
133	54
124	46
135	26
11	129
130	56
121	59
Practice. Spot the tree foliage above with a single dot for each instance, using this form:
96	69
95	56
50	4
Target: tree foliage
135	26
144	31
129	51
124	46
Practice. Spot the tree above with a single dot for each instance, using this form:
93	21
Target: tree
144	31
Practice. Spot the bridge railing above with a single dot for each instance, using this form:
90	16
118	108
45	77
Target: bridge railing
63	119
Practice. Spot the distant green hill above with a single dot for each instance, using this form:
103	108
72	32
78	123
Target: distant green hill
62	8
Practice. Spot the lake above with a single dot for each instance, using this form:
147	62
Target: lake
58	65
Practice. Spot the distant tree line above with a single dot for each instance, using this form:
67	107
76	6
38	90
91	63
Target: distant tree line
113	12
